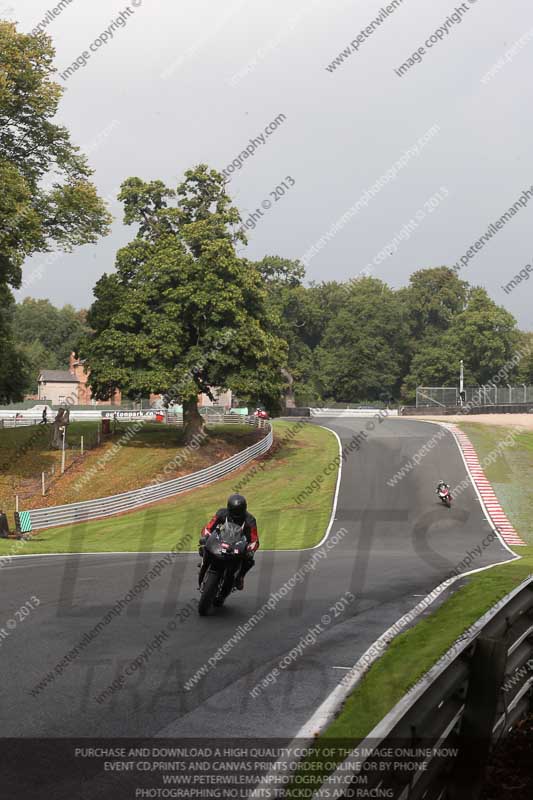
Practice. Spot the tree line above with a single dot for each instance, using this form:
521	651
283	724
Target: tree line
184	310
354	341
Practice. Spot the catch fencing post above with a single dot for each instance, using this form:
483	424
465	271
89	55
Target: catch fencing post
63	451
42	483
81	445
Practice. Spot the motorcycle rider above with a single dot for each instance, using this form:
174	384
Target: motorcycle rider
236	511
442	485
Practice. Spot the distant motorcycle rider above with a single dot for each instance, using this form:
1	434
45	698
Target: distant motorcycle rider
236	511
442	485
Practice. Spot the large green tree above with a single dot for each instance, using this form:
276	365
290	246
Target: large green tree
183	313
286	298
484	335
431	301
14	365
46	335
36	216
58	330
434	362
464	325
321	305
359	357
524	371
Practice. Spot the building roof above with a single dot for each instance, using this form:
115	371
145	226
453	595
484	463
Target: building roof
57	376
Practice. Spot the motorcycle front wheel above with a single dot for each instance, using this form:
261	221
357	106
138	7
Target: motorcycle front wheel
209	592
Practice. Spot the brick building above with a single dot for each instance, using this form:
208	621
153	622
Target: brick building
77	369
55	385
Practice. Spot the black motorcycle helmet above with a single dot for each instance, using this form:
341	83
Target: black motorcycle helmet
237	507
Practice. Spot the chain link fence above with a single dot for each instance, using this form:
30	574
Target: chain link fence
446	396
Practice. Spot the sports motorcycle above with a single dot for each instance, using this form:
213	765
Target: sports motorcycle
445	496
223	555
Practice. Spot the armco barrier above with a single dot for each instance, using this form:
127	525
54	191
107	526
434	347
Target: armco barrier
352	412
471	697
39	518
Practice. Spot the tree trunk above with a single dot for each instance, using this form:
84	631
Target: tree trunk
288	393
61	421
193	422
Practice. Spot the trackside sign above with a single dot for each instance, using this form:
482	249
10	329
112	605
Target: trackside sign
149	412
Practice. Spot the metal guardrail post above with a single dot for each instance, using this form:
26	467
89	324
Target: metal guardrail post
487	670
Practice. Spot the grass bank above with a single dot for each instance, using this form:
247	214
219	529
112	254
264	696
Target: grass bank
511	473
301	452
128	459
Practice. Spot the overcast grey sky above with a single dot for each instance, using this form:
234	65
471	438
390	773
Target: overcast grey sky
179	83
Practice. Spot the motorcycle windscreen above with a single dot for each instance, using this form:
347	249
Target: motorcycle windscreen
231	533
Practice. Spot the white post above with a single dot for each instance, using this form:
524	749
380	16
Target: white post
63	451
81	445
510	393
42	482
525	392
16	502
461	380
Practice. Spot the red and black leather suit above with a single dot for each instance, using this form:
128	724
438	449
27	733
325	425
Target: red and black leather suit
250	531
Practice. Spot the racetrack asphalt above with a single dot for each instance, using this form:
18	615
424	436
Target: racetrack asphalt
399	544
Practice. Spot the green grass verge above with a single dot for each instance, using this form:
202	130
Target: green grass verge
511	472
271	492
411	654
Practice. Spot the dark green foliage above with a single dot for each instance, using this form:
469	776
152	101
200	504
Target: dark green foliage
183	313
36	218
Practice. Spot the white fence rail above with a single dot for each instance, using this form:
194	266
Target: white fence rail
14	422
8	419
352	412
39	518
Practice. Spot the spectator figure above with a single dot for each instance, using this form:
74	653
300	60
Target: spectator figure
44	419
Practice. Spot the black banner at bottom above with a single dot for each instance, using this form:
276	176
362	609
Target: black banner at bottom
138	769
